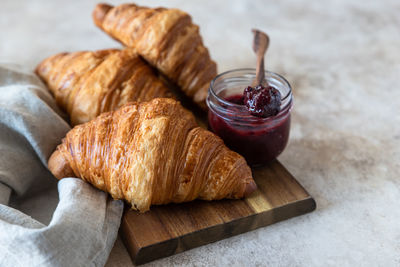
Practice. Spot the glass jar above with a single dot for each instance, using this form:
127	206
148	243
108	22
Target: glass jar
259	140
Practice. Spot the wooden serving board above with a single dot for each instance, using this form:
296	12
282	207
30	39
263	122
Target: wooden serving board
170	229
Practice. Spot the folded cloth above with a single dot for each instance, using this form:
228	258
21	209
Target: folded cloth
85	222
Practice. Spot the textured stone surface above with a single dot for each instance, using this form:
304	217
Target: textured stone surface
343	61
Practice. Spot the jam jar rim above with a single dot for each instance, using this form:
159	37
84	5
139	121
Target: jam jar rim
241	113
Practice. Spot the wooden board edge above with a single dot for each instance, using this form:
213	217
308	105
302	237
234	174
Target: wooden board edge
141	255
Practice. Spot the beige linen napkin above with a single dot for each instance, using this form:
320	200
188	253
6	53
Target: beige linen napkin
84	225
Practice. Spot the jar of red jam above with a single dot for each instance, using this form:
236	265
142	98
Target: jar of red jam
258	139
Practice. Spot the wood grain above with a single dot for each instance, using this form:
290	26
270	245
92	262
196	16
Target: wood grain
170	229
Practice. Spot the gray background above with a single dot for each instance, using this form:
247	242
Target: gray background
342	59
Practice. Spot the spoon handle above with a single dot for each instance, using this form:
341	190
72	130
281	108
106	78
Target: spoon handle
260	46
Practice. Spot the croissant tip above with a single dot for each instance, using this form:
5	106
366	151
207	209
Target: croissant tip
100	12
37	69
58	166
250	188
41	67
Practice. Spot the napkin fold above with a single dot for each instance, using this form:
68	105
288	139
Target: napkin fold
85	223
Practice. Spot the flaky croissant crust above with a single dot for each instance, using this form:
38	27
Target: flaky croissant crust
152	153
86	84
167	39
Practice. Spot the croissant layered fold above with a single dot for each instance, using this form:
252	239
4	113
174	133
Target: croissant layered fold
152	153
167	39
86	84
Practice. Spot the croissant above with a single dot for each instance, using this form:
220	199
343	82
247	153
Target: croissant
167	39
86	83
152	153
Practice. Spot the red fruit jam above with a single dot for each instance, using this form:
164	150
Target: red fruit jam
259	142
262	101
258	139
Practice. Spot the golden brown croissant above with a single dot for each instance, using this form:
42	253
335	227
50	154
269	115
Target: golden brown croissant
167	39
86	84
152	153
